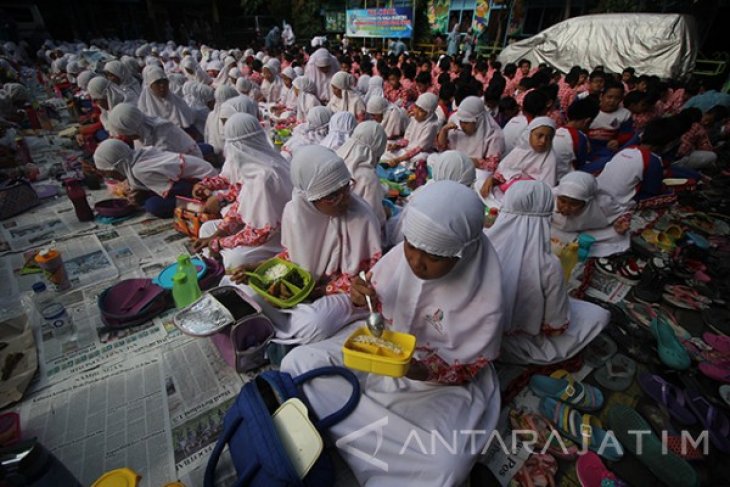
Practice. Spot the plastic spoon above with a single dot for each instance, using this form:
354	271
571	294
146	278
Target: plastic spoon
375	319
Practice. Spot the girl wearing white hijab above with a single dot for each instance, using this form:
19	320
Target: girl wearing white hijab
247	87
320	68
272	85
305	89
201	99
473	131
536	160
581	207
312	132
375	88
251	230
122	81
129	121
363	83
344	96
105	97
420	136
288	98
340	128
193	71
393	118
361	153
223	77
439	285
330	232
155	177
157	100
238	104
452	165
543	325
177	82
213	134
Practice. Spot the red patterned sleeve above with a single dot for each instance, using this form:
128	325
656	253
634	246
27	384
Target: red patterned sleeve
247	237
451	374
340	283
412	152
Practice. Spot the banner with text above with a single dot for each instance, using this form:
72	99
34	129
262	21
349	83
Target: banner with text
380	22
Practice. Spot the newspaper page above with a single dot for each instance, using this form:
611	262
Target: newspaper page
160	237
113	417
200	388
607	288
125	247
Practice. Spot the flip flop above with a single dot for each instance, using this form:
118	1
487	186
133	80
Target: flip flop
636	348
714	420
719	371
538	471
562	386
669	468
599	351
592	472
617	373
721	343
702	352
660	421
670	350
669	396
523	420
583	429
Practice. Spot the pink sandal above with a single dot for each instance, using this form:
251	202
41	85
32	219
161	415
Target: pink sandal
720	343
593	473
538	471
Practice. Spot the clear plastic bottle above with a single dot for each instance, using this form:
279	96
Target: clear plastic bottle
52	312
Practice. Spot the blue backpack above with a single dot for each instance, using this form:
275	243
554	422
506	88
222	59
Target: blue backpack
255	448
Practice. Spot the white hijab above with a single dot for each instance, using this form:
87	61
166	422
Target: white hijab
189	63
600	209
321	58
307	99
127	119
395	119
350	100
375	88
458	316
621	175
488	139
313	131
361	153
341	126
363	83
172	107
100	89
525	163
533	294
423	134
213	134
452	165
128	85
272	89
266	185
287	98
326	245
150	168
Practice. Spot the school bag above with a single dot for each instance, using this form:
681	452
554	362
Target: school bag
254	445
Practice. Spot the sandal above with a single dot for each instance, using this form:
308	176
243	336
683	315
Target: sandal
538	471
724	393
669	396
617	374
653	279
685	297
562	386
584	429
626	271
523	420
671	352
668	468
599	351
719	371
715	422
660	421
592	472
720	343
702	352
632	346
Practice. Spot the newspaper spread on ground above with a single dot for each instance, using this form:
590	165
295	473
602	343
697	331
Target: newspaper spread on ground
607	288
113	417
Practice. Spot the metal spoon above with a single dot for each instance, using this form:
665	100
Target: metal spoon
375	320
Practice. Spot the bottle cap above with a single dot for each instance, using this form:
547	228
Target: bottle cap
39	287
121	477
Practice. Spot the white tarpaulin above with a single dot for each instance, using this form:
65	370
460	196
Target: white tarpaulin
664	45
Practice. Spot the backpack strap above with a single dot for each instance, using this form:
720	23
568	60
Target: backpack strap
228	432
351	403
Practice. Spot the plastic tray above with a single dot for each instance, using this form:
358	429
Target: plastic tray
374	359
259	284
164	278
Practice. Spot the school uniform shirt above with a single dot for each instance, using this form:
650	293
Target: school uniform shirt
629	178
571	149
609	126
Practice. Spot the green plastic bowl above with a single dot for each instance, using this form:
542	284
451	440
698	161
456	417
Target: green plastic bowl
261	285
